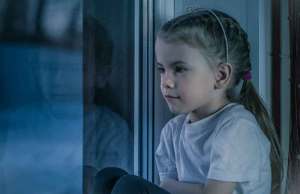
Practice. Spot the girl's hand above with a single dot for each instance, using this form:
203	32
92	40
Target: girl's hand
212	187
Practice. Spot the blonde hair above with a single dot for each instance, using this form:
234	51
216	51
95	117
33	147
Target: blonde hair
202	29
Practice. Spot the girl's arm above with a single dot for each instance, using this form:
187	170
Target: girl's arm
212	187
175	187
219	187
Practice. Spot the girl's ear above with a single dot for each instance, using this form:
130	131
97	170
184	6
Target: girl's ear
223	75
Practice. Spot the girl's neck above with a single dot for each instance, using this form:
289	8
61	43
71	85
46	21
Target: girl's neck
207	110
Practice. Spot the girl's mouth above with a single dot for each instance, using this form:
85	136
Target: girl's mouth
172	97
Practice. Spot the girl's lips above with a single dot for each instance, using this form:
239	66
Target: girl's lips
172	97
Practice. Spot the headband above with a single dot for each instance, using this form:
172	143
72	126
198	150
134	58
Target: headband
247	75
222	27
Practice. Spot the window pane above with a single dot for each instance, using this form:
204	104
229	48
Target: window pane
41	109
108	86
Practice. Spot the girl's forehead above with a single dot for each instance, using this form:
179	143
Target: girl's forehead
168	52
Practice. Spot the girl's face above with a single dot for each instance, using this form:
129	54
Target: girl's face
187	80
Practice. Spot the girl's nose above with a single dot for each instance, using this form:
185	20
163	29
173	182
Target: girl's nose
168	81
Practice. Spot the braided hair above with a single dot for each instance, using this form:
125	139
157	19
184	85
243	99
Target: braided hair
222	40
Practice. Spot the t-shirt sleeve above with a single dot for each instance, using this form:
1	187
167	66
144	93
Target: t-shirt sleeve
236	152
165	156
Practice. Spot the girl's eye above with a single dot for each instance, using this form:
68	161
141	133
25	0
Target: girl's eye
180	69
160	69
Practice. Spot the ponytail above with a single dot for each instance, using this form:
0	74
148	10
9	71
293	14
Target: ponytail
252	102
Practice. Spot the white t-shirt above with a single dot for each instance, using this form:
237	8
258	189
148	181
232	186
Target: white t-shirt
226	146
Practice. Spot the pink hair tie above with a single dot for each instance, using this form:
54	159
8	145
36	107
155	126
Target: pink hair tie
247	75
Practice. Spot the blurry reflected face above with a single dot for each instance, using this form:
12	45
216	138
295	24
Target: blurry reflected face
61	82
96	75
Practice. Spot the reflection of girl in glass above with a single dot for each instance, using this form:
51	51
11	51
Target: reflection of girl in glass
107	139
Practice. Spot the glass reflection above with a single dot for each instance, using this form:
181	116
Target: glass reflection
108	87
41	106
107	138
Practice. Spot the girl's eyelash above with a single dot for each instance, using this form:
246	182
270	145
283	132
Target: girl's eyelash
180	69
176	69
160	69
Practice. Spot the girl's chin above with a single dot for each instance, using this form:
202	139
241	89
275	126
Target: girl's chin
175	110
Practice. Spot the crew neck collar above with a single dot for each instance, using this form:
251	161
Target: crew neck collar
203	120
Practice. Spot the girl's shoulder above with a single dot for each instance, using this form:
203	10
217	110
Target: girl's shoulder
236	113
237	122
174	125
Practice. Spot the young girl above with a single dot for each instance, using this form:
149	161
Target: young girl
222	140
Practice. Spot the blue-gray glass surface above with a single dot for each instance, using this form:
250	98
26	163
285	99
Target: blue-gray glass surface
49	132
41	120
108	131
41	109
